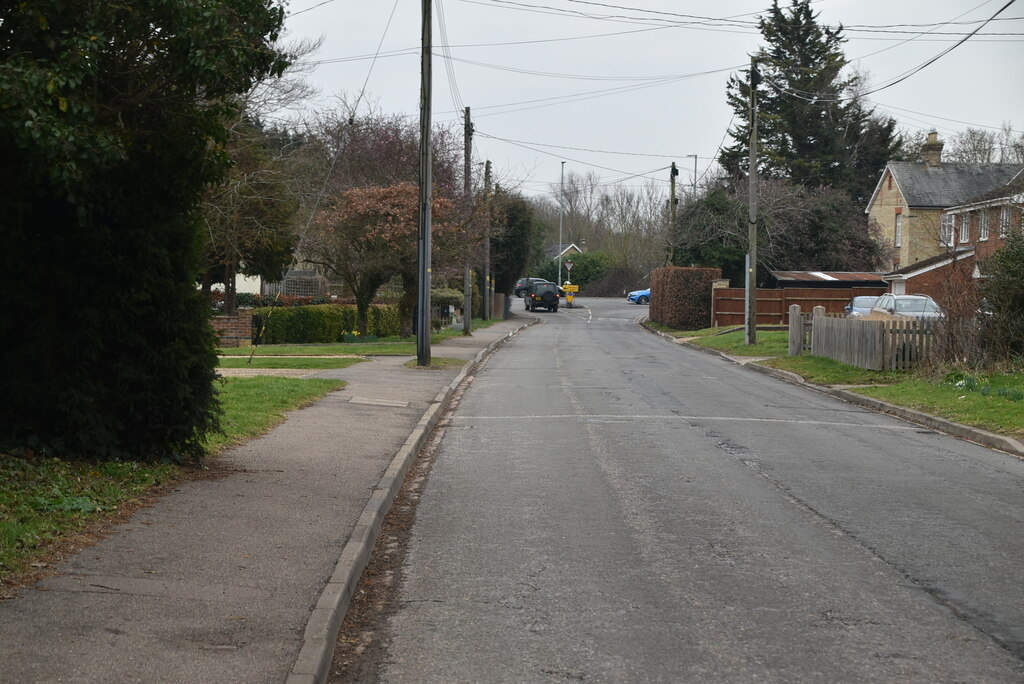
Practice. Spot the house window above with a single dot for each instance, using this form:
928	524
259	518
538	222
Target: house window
946	230
965	227
1004	221
983	225
899	230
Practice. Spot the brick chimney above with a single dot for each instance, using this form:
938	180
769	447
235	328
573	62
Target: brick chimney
931	151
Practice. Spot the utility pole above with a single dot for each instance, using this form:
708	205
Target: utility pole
467	275
561	210
755	79
423	298
488	302
672	202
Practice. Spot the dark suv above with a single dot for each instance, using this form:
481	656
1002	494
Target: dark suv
523	284
543	294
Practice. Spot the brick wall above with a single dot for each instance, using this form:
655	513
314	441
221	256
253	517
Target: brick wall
234	331
951	285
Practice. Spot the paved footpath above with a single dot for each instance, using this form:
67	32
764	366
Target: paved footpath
242	578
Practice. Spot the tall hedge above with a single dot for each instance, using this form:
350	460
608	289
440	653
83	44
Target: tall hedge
111	126
321	323
681	297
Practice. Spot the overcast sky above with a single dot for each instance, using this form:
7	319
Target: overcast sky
626	87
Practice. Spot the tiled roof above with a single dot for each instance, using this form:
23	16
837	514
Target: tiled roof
552	251
948	185
1014	187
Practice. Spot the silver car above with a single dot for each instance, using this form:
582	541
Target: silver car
921	307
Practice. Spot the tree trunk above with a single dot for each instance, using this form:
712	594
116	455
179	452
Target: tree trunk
407	303
363	300
230	297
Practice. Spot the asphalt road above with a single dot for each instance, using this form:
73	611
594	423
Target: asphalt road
606	506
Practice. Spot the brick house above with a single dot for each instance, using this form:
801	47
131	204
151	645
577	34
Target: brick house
911	198
969	233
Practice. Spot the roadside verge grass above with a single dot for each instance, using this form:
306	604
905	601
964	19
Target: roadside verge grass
993	402
389	346
437	363
769	343
296	362
47	502
988	411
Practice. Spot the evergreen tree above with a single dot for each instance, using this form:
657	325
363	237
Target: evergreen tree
510	248
812	128
112	126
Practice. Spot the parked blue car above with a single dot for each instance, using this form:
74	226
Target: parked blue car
639	296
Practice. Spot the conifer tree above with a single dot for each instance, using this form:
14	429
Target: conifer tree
813	129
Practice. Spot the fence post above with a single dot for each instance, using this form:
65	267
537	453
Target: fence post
816	312
796	331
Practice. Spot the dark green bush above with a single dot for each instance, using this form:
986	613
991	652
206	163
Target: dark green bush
320	323
446	297
681	297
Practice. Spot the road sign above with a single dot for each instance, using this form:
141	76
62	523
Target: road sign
568	265
571	288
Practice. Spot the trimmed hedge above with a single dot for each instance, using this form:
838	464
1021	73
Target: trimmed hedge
681	297
321	323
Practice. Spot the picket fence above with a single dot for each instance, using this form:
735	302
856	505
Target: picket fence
869	344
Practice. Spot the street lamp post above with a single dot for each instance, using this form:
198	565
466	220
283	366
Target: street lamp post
561	210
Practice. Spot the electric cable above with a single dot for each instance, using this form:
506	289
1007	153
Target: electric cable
323	186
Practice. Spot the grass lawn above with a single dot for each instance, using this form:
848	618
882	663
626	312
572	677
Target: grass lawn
990	402
46	501
988	411
389	346
769	343
254	405
298	362
686	334
822	371
437	363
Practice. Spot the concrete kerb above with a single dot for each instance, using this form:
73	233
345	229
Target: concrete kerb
313	663
965	432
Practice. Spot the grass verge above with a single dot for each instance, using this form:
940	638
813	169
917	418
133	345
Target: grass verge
437	363
822	371
45	503
769	343
297	362
254	405
948	399
388	346
992	402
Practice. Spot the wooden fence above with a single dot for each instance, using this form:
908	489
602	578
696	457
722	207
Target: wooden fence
728	304
870	344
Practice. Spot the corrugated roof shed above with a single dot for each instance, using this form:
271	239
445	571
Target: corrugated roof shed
828	276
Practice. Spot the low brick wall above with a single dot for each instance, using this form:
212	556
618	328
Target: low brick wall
234	331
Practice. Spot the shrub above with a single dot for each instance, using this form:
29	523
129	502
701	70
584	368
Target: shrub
319	323
1003	292
681	297
446	297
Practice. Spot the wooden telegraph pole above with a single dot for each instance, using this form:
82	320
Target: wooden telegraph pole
467	275
488	299
423	298
755	79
